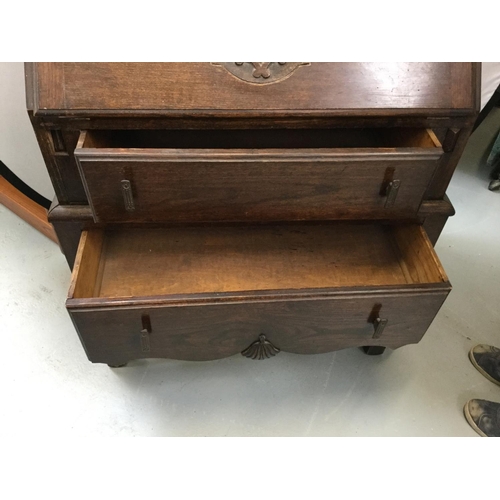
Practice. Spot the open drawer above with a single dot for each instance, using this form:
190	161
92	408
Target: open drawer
199	293
256	175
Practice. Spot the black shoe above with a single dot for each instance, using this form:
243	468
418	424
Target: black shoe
483	416
486	359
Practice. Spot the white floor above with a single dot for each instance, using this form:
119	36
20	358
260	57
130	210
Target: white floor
51	389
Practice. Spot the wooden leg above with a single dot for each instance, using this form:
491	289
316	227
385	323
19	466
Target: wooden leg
373	350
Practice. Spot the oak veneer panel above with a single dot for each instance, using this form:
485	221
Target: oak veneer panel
463	78
196	87
256	188
213	331
302	182
49	78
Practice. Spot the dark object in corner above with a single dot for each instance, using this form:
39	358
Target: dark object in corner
494	163
492	103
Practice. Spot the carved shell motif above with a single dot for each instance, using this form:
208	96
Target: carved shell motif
260	72
261	349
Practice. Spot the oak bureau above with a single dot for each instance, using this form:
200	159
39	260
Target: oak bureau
210	209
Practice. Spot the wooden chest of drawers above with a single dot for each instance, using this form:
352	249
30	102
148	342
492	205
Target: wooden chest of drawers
209	209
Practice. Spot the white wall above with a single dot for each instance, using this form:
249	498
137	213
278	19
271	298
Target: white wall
18	146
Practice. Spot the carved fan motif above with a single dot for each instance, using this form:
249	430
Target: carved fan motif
261	349
260	72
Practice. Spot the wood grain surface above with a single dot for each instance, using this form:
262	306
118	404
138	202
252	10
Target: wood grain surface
198	144
195	87
302	326
223	287
248	179
214	260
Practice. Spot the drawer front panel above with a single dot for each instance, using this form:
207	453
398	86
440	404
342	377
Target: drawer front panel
212	331
255	187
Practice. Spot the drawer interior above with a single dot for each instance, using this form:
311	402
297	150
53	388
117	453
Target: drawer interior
260	139
135	262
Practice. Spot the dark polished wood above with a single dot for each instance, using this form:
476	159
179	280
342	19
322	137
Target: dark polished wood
215	331
69	221
449	161
194	88
211	209
308	289
328	175
48	84
434	214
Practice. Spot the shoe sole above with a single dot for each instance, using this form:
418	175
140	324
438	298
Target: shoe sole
479	369
469	418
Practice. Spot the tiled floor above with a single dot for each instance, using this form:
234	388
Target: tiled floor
51	389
